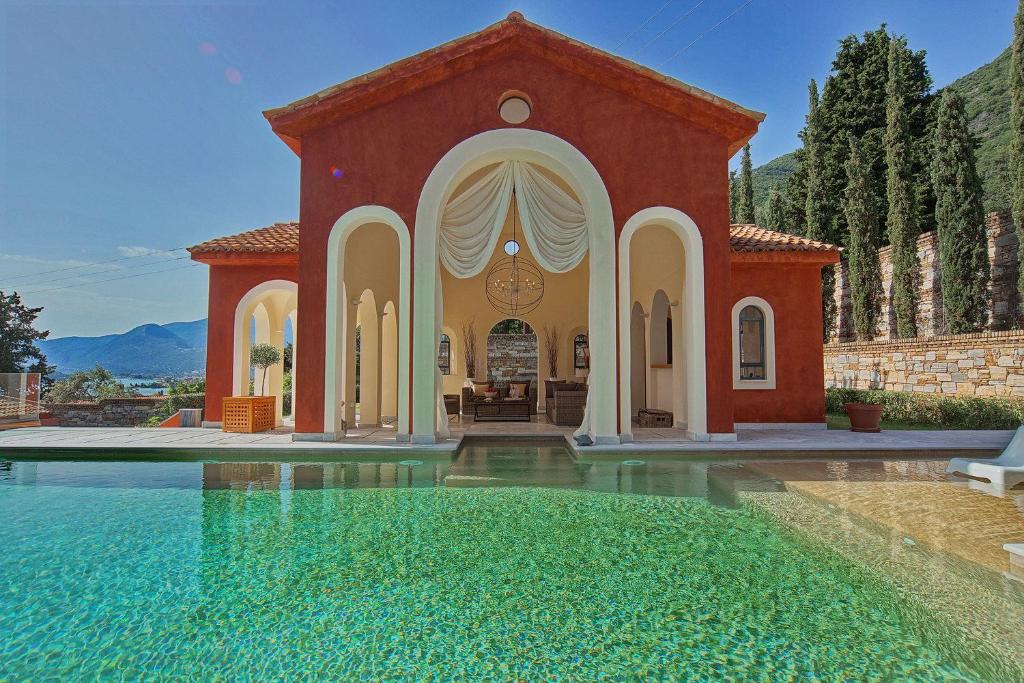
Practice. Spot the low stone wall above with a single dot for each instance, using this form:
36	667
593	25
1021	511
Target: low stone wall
980	364
108	412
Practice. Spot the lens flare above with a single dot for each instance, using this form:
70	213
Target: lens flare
336	172
207	48
233	75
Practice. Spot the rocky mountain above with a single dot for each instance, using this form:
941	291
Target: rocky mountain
174	350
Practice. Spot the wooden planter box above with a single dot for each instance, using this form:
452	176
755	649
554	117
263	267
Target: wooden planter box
248	414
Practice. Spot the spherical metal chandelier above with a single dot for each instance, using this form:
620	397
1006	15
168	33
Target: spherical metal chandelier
514	286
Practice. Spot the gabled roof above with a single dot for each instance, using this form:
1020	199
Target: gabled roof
514	33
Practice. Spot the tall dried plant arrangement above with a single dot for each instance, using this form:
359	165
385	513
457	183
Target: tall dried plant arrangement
469	347
551	342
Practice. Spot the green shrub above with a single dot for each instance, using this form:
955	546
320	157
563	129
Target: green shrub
956	412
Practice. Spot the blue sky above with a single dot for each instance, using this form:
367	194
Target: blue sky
132	127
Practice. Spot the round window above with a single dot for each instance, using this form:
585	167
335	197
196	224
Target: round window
511	247
514	109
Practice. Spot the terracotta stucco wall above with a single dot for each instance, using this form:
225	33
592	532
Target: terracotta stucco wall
228	284
645	156
794	293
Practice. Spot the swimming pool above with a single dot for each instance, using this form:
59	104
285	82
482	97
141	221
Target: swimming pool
511	561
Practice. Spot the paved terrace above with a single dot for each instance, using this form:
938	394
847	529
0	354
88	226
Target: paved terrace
382	441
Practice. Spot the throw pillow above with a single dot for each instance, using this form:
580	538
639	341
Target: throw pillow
481	388
517	390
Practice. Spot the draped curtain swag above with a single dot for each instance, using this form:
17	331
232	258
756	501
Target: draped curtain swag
553	221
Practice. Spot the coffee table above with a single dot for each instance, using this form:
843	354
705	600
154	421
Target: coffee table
498	410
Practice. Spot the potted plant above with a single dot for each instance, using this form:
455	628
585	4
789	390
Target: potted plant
253	413
864	417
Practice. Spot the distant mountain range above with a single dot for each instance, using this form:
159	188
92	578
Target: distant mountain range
171	350
986	93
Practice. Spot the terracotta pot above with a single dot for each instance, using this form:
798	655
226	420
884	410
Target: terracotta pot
864	417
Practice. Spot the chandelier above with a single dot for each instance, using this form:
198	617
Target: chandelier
514	286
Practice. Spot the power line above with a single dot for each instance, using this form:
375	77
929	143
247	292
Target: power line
113	279
694	41
671	26
101	272
643	25
95	263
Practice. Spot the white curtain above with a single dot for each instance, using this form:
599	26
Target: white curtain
553	221
554	225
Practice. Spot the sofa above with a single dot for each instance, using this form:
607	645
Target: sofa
564	402
469	397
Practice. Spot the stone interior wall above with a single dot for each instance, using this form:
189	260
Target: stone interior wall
980	364
511	357
108	412
1002	252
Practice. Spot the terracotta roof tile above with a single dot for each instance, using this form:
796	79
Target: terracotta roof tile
279	238
283	238
749	238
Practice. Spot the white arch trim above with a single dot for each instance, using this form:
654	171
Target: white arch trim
769	344
335	314
243	311
692	301
560	157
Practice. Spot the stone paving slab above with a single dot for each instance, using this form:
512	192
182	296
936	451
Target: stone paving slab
797	441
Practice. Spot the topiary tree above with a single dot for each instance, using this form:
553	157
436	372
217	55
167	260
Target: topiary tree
865	271
263	356
959	220
901	222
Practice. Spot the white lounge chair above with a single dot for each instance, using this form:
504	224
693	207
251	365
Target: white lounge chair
1004	472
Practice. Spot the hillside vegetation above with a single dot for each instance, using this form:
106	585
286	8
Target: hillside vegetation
987	98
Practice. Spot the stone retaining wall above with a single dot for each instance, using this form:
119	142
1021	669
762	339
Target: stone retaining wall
511	356
1003	305
108	412
980	364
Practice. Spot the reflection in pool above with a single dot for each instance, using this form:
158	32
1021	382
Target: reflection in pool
510	561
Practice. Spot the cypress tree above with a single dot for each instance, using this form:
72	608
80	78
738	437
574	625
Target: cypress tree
734	196
854	101
816	214
745	208
901	220
862	217
794	195
959	219
1017	135
775	212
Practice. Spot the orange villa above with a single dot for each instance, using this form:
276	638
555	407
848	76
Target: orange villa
517	173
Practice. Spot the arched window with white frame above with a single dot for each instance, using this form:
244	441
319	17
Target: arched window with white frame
753	344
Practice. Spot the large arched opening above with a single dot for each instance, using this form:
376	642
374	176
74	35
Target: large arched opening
368	250
562	166
661	260
263	316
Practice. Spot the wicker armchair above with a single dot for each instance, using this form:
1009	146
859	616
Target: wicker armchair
565	409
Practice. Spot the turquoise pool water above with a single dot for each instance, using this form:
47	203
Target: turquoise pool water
508	563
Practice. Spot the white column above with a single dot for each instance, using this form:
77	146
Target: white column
350	364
